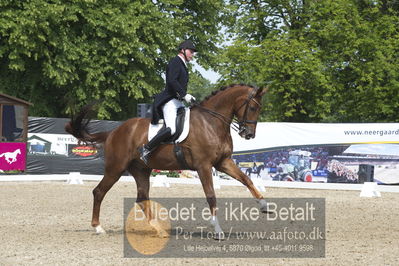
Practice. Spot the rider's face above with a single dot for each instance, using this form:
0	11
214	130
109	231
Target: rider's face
189	54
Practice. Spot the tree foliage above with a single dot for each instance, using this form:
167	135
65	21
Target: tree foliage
327	61
199	86
61	54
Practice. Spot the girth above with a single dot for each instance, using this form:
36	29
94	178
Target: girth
178	150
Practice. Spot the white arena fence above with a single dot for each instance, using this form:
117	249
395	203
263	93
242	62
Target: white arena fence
195	181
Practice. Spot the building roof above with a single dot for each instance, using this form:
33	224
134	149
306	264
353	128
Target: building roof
37	138
12	99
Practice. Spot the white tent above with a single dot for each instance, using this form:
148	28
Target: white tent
374	149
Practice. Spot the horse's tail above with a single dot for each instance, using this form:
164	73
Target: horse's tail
77	127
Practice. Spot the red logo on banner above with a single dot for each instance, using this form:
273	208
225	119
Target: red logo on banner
84	151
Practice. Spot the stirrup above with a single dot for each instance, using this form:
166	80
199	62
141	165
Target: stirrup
144	154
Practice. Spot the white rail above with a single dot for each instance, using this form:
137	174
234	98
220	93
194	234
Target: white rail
195	181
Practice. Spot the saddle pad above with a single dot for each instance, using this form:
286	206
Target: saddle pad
153	129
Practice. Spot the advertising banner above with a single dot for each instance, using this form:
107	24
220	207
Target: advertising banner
52	151
317	152
275	135
302	152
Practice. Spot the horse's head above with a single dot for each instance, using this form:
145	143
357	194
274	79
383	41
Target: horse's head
247	109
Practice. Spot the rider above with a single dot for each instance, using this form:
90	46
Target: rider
170	99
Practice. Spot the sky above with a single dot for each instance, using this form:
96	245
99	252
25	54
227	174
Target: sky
210	75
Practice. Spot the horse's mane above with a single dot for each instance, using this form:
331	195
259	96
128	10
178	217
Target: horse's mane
225	88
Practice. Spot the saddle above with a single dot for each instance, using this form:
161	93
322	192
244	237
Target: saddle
182	127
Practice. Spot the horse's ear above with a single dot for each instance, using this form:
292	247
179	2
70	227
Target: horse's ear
262	91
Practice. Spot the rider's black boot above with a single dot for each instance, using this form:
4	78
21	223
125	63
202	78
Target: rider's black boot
146	150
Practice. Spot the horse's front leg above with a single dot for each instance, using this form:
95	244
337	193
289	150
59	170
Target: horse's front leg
229	167
205	175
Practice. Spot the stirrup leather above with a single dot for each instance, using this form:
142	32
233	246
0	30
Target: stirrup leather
144	154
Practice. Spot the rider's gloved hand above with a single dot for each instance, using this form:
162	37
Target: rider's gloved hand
189	98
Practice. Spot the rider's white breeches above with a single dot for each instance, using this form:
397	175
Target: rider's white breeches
170	112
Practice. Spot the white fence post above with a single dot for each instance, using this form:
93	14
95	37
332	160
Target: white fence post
370	189
160	181
75	178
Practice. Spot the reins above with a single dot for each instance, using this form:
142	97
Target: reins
225	120
235	124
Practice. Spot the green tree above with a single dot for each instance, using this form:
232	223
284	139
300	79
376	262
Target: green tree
328	61
61	54
199	86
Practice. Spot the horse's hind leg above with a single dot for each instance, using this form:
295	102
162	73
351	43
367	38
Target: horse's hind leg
229	167
142	177
109	179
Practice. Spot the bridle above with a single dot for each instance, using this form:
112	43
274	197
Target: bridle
237	125
242	125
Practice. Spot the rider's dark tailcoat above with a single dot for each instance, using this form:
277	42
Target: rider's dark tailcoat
176	87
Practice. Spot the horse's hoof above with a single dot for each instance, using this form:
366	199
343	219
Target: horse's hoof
100	230
163	234
264	210
263	206
219	236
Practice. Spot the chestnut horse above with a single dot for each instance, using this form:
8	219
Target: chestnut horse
208	144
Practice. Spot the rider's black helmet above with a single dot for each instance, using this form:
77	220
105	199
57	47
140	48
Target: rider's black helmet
187	45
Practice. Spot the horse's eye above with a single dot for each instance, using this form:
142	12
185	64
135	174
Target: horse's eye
253	109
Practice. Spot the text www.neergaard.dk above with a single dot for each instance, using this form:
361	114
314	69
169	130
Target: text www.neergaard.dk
371	132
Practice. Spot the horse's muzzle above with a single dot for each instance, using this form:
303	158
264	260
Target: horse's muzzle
249	136
247	133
